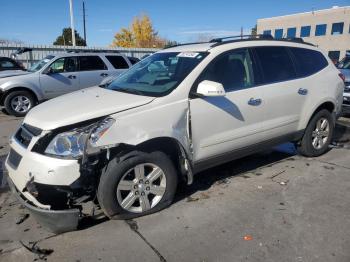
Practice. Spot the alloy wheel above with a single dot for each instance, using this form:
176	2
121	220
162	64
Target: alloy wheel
141	188
20	104
320	134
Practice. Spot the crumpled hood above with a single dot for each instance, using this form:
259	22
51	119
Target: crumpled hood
9	73
82	105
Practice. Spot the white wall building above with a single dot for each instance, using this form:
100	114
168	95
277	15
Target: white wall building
329	29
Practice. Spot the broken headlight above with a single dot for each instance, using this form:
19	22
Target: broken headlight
73	143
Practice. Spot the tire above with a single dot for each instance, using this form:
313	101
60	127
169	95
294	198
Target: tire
314	143
26	100
120	174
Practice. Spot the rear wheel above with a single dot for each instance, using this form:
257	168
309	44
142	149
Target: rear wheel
18	103
142	184
318	134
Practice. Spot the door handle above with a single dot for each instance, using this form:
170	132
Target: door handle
103	74
254	102
302	91
72	77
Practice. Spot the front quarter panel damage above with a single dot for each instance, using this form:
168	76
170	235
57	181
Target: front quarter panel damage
170	120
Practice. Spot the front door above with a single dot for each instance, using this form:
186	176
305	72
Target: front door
223	124
60	78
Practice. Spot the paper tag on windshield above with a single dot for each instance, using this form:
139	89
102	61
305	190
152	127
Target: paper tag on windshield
188	54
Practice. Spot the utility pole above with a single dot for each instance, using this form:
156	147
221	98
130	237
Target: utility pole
241	32
84	21
72	21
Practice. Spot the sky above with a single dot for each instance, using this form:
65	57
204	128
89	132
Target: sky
41	21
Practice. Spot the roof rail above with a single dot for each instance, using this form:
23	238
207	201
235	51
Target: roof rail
241	37
193	43
91	51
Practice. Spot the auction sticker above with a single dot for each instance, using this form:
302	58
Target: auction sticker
188	54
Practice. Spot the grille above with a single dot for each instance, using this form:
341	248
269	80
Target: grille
25	134
14	159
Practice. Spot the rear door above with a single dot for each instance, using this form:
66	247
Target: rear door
223	124
283	94
61	77
92	70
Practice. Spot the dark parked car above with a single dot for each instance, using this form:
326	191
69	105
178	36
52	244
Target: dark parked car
10	67
344	68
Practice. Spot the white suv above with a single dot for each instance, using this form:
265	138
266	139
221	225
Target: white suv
181	110
56	75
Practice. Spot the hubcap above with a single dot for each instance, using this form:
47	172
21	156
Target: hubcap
320	134
141	188
20	104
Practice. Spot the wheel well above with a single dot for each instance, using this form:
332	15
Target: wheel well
168	145
327	105
18	89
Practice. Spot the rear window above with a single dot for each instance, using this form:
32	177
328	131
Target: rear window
118	62
88	63
308	61
276	64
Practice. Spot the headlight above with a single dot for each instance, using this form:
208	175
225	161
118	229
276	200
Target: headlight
73	143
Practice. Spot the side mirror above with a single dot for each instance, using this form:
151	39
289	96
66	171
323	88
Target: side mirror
48	71
210	88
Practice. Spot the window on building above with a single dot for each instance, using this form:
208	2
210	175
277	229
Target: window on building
278	33
291	32
267	32
118	62
320	30
308	61
305	31
276	64
337	28
334	56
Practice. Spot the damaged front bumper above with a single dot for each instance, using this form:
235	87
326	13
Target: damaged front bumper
57	221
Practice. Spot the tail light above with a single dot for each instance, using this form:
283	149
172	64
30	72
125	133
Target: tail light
342	77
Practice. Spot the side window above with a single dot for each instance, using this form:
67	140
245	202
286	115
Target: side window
118	62
276	64
89	63
308	61
7	64
64	64
234	70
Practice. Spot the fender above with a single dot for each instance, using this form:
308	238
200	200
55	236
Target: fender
309	113
28	81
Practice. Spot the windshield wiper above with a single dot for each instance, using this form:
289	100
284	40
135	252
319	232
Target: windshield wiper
129	90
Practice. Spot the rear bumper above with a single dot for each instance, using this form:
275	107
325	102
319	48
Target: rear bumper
57	221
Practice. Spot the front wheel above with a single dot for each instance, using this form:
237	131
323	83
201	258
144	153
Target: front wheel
18	103
318	134
141	184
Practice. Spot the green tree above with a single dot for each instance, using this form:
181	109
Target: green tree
66	38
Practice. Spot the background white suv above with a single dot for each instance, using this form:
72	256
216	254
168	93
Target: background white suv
56	75
173	114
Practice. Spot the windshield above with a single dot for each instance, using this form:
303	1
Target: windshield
38	65
158	74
